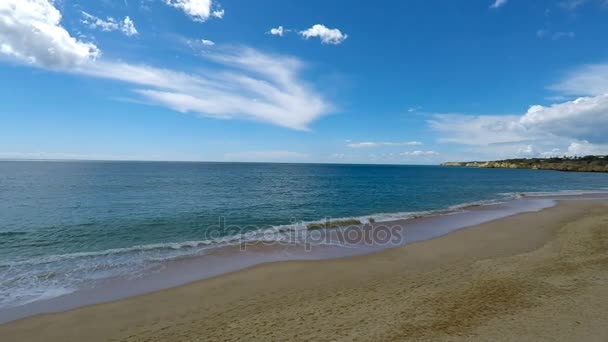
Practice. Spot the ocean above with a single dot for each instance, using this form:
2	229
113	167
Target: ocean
67	225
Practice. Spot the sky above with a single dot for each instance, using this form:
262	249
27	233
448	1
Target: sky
397	82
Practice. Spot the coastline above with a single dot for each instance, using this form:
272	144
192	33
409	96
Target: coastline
290	245
590	163
284	243
478	277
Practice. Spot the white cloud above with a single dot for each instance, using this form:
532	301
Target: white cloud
207	42
585	118
584	148
278	31
543	148
498	3
327	35
198	10
245	84
266	156
575	127
575	148
588	80
527	151
31	33
553	153
126	26
568	127
379	144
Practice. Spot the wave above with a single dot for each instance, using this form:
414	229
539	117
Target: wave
107	252
270	233
23	281
10	233
273	232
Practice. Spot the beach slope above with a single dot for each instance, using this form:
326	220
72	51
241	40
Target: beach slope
531	277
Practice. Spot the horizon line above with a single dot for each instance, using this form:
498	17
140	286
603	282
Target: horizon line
198	161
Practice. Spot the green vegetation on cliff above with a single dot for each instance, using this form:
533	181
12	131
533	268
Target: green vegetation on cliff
581	164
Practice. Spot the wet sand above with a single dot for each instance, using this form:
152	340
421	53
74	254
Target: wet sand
534	276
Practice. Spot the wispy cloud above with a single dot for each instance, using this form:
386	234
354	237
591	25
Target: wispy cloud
198	45
244	84
571	4
543	33
498	3
560	35
126	26
476	129
371	144
266	156
218	13
419	153
587	80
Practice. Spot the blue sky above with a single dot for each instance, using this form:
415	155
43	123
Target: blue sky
412	82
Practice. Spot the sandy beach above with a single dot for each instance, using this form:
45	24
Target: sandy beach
531	277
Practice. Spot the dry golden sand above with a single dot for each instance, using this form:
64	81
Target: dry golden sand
531	277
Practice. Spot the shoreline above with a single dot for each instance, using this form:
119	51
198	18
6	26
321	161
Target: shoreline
228	259
253	296
592	163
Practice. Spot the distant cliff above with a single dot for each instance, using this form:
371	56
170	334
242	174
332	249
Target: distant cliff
581	164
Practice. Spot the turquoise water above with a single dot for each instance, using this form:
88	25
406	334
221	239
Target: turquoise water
63	224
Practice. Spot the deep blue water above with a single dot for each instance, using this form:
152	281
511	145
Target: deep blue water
63	223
